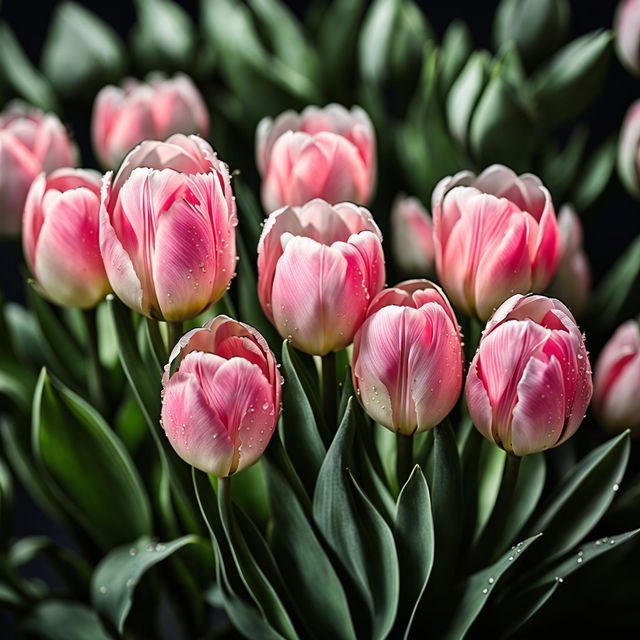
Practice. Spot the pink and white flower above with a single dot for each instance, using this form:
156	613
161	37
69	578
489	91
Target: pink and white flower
412	239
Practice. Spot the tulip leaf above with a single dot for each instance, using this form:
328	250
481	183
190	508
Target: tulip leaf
477	589
6	505
118	573
64	620
457	46
414	537
595	175
250	214
89	468
575	507
376	39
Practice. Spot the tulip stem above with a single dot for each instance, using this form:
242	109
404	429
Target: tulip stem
97	385
329	390
404	458
175	333
156	341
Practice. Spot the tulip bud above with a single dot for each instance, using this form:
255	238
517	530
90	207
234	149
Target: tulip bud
494	234
412	236
167	228
125	116
60	237
572	282
30	142
318	268
529	384
627	28
407	358
221	404
616	394
320	153
629	150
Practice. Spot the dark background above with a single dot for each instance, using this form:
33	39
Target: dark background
608	230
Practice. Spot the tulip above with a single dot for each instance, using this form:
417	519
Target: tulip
221	404
407	358
627	27
60	237
495	235
572	282
320	153
125	116
412	236
167	228
318	268
30	142
529	384
629	150
617	380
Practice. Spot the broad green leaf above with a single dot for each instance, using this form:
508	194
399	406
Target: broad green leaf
456	49
65	620
89	468
8	596
6	505
250	214
118	573
595	175
376	39
560	166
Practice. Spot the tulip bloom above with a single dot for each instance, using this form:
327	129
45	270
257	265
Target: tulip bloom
325	153
318	268
627	27
617	380
495	235
221	404
167	228
529	384
629	150
412	240
60	237
572	282
30	142
125	116
407	358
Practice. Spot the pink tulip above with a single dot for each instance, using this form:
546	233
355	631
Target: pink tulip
30	142
221	403
629	150
60	237
495	235
412	240
125	116
318	268
167	228
529	384
572	282
407	358
325	153
627	27
617	380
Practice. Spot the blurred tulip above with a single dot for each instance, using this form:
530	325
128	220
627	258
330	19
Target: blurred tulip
327	153
221	404
412	239
616	394
629	150
318	268
529	384
60	237
125	116
627	28
572	283
494	234
167	228
30	142
407	358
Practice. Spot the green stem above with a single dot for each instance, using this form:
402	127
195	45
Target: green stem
156	341
224	492
404	458
329	396
175	333
97	385
473	339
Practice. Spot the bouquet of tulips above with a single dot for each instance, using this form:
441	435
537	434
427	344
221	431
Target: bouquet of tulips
247	415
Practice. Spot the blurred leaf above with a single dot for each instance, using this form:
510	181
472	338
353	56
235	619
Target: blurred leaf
457	46
6	505
250	212
65	620
595	175
90	470
376	37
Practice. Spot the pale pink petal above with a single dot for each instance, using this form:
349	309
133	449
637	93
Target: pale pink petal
478	401
32	219
621	406
105	110
412	236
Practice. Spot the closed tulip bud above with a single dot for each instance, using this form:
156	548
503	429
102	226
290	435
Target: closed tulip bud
412	239
327	153
125	116
616	394
318	268
627	27
30	142
167	228
221	396
407	358
495	235
572	282
629	150
529	384
60	237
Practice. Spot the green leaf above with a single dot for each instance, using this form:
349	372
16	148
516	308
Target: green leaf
521	607
595	175
90	470
476	591
376	39
6	505
414	537
457	46
250	214
118	573
560	167
65	620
